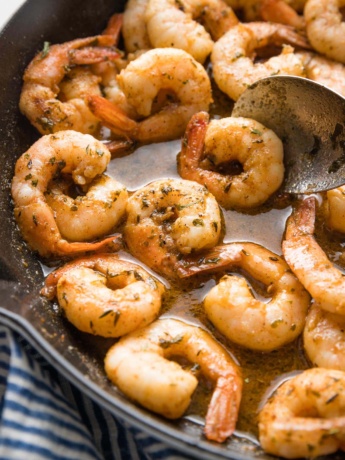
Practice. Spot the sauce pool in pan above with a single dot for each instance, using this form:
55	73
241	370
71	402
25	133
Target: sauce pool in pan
159	161
262	371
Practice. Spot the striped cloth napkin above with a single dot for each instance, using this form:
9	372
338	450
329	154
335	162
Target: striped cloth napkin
44	417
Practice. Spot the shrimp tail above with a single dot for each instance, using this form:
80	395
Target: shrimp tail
109	244
280	12
112	116
289	35
302	220
87	53
93	55
193	141
217	258
114	26
118	147
223	410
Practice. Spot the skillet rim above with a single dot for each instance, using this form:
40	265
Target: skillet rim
16	287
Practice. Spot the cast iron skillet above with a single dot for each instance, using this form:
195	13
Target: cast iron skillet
21	275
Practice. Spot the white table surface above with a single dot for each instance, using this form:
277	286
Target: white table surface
7	9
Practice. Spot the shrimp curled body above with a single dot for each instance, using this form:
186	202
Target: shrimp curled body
335	207
324	338
104	295
306	415
174	24
66	152
248	321
134	28
170	218
325	71
208	147
326	28
233	56
88	216
139	365
324	282
170	76
39	100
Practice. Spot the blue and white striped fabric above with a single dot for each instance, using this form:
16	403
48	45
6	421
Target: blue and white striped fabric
43	416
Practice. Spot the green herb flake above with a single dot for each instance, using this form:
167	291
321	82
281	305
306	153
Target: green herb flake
332	398
45	50
227	187
276	323
164	343
46	123
195	367
211	261
256	131
106	313
180	207
166	190
117	317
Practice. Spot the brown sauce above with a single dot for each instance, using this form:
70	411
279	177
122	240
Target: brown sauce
261	372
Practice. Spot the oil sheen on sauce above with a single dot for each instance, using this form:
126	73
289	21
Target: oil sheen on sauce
262	372
259	370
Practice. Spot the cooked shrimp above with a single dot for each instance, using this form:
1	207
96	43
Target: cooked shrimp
233	56
172	23
104	295
251	322
306	416
209	147
66	152
134	28
139	365
250	10
168	74
87	216
308	261
335	209
325	71
39	97
168	219
326	28
280	11
114	27
324	338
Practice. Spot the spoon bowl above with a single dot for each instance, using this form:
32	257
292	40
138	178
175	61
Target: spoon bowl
310	120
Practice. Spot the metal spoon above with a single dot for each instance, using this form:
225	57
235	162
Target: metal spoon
310	120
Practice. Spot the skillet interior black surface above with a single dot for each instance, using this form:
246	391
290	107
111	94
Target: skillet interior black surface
21	275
